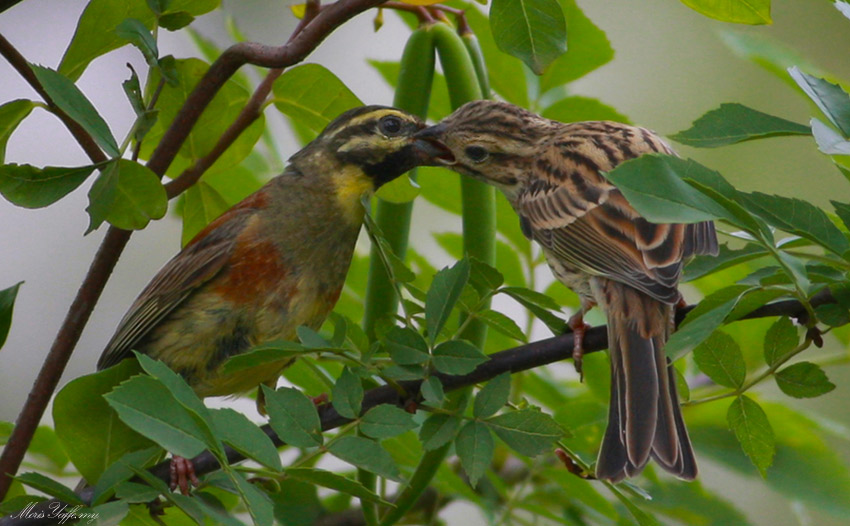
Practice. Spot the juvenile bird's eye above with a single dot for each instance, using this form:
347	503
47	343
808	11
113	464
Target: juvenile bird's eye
390	125
476	154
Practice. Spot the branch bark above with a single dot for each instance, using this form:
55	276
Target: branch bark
517	359
307	36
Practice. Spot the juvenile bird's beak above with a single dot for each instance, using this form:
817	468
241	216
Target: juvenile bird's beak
428	143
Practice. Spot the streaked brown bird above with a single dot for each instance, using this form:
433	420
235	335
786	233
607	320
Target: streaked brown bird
273	262
600	247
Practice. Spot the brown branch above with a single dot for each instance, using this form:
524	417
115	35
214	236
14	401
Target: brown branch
316	26
250	113
517	359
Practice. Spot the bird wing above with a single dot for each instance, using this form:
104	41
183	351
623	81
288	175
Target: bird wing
199	262
586	222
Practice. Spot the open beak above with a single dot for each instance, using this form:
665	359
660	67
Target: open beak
429	145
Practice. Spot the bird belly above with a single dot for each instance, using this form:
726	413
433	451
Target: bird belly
574	278
208	329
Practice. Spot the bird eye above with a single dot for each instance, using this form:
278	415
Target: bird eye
390	125
476	154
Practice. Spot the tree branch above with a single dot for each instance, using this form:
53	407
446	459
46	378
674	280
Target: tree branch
316	26
522	358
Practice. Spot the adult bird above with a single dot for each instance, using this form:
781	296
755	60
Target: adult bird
275	261
600	247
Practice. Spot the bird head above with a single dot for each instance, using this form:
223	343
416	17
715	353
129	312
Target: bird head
487	140
374	140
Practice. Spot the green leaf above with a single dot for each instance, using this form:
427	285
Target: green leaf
135	493
474	446
457	357
406	346
484	276
386	421
48	450
732	123
539	304
702	321
365	454
347	394
442	296
121	470
49	486
703	265
779	340
258	502
578	109
833	314
492	397
803	380
146	406
753	12
527	431
587	49
127	195
178	388
331	480
832	100
175	21
439	429
502	323
749	423
654	185
7	306
293	417
274	354
201	205
828	140
534	31
95	34
721	359
245	437
11	115
643	518
88	428
312	95
432	391
32	187
801	218
71	100
134	31
297	503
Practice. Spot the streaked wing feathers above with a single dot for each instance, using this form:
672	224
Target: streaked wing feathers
198	263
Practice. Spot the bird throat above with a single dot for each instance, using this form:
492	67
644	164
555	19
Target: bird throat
350	185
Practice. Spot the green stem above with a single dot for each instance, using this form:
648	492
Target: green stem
412	94
478	200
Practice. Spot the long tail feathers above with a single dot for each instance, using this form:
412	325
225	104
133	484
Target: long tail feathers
644	419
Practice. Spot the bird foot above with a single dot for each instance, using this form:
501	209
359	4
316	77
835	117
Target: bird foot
182	474
579	328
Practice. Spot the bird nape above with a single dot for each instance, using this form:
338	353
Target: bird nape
273	262
596	244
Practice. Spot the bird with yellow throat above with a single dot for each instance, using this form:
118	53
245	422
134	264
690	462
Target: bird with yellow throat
273	262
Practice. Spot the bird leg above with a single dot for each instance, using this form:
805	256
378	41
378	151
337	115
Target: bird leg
579	327
182	473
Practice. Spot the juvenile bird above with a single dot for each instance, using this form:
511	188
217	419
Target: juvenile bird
273	262
598	246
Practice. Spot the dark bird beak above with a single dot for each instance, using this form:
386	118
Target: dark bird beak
428	143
